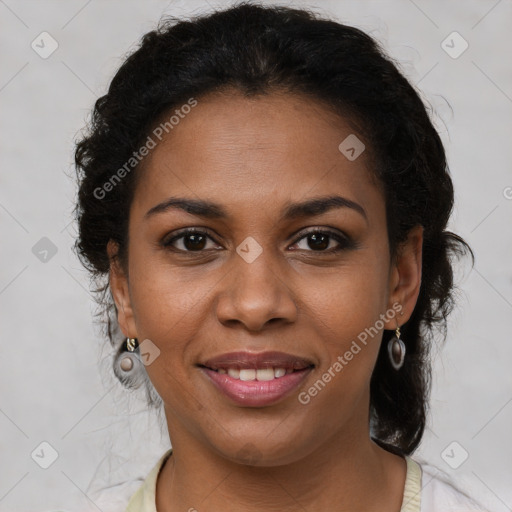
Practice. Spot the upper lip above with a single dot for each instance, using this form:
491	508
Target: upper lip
251	360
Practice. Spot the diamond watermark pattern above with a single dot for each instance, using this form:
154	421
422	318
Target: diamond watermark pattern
148	352
351	147
44	455
454	455
44	45
249	454
454	45
44	250
249	249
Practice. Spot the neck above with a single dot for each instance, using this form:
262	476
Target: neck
344	473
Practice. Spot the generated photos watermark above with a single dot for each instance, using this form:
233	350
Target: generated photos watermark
137	156
343	360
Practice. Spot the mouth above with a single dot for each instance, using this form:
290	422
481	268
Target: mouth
257	366
253	380
259	374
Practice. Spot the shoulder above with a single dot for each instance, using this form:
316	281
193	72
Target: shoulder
136	495
144	499
116	497
439	493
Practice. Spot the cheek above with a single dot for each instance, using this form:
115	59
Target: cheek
350	300
346	314
164	298
348	348
167	310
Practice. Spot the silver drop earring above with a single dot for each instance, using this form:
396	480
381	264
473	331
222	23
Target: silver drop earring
396	350
128	367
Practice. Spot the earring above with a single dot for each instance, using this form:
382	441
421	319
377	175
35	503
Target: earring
130	345
396	350
127	366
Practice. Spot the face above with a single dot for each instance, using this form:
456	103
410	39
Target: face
264	270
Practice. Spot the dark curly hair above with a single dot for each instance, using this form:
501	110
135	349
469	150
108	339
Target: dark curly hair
259	50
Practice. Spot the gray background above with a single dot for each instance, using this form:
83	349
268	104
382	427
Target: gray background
55	381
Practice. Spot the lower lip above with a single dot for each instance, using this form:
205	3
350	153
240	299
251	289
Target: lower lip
254	393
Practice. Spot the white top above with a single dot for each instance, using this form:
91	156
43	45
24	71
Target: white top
438	494
426	489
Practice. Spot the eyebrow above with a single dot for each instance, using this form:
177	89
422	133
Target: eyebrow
210	210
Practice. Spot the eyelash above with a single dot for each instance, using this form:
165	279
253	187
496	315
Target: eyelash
345	243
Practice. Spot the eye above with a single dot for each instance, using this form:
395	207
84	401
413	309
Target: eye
320	241
191	240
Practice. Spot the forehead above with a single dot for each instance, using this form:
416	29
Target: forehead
249	153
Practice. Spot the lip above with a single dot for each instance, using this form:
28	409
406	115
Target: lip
251	360
257	393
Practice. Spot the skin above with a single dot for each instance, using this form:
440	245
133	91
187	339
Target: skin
253	157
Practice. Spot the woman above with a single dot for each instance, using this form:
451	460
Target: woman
268	199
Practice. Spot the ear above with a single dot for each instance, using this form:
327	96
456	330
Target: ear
405	278
121	292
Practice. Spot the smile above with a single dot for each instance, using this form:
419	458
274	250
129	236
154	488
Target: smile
260	374
256	380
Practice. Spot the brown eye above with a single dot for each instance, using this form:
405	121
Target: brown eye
318	241
322	241
194	242
188	241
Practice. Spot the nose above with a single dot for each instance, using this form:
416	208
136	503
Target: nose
255	294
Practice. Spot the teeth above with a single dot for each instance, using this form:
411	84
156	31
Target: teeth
263	374
279	372
233	372
247	374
